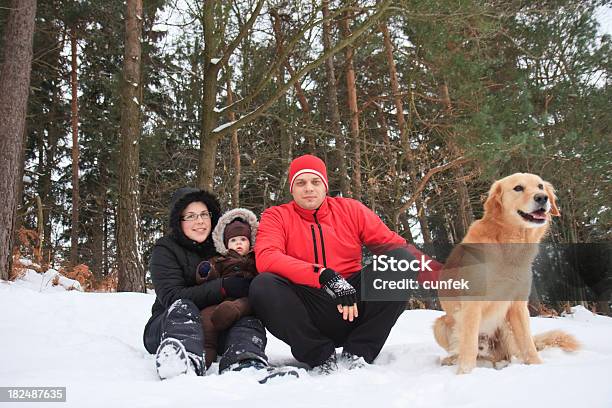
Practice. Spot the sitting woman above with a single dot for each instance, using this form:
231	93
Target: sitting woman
174	331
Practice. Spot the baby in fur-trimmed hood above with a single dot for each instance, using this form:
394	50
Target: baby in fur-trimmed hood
234	239
232	222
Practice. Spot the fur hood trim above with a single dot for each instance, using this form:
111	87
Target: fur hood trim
247	215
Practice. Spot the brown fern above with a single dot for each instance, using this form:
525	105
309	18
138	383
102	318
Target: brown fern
80	273
107	283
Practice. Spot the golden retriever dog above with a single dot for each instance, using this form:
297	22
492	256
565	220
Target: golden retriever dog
490	321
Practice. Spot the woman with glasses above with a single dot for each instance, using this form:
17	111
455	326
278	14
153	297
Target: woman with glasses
174	331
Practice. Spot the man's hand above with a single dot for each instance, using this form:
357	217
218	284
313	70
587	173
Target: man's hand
339	289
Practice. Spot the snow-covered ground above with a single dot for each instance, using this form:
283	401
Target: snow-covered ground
92	344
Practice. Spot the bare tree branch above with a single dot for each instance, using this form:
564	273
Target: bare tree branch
423	183
223	130
227	53
242	103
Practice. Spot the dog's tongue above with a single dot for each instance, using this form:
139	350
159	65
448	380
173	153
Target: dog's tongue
539	215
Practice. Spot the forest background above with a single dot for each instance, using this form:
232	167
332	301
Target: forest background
415	105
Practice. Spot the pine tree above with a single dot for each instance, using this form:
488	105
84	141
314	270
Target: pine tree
131	272
14	90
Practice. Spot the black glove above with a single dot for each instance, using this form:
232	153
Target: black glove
236	286
337	287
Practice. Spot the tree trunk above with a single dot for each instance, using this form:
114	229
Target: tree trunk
96	243
208	156
39	230
231	116
372	185
131	271
332	106
353	109
406	157
286	150
55	41
466	215
106	264
74	233
208	139
302	100
46	169
14	89
52	43
98	229
19	215
285	140
384	133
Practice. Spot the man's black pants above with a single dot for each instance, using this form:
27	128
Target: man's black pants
307	319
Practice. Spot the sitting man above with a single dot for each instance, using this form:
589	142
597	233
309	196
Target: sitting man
309	254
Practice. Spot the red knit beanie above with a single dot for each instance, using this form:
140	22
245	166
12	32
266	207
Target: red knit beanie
307	164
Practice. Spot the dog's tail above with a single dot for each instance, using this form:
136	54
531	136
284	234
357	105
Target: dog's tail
556	338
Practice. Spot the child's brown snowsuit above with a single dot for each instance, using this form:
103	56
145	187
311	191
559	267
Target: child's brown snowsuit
218	318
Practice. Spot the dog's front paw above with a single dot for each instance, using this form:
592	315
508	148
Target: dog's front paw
534	359
449	360
466	367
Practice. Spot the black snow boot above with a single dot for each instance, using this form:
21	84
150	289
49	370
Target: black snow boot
268	372
172	359
351	361
327	367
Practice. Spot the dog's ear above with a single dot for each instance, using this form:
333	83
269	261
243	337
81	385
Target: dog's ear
550	191
493	205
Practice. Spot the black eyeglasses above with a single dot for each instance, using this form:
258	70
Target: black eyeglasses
193	216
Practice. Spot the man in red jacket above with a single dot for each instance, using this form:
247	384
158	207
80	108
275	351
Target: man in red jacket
309	253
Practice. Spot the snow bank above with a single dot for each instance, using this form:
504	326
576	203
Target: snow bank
44	282
92	344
